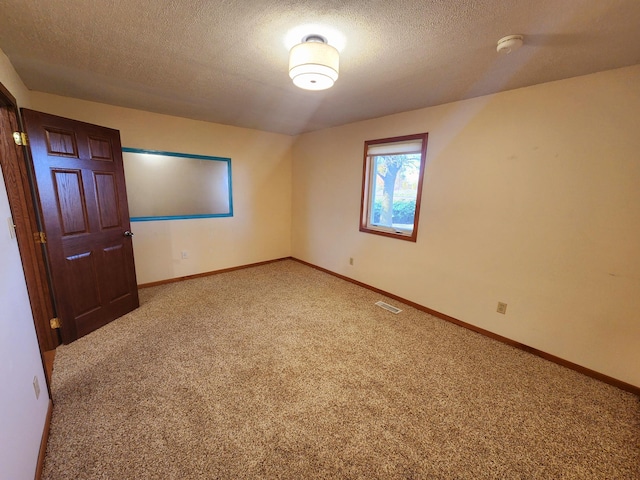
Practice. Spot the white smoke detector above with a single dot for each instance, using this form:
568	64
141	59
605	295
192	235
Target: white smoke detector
508	44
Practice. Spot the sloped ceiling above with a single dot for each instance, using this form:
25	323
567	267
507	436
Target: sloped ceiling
226	61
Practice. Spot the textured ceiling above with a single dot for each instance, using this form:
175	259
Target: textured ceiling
226	61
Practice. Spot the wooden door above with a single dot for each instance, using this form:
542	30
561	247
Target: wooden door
80	188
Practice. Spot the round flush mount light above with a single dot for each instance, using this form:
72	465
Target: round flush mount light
509	43
314	64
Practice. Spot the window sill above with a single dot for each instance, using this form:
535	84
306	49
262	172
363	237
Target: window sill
386	232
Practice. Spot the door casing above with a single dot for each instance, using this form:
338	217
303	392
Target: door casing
24	214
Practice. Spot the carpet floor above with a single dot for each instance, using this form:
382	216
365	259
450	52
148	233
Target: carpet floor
282	371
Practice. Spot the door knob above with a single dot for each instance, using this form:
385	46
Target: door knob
128	234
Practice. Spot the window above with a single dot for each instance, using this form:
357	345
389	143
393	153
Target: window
173	186
392	186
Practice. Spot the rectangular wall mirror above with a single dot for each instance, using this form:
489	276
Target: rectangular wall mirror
172	186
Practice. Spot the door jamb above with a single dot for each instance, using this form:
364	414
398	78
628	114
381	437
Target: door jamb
23	210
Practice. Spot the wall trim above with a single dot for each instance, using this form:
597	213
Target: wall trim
547	356
43	443
207	274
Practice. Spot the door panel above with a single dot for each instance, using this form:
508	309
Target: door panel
117	276
107	198
80	185
62	143
81	270
71	201
100	149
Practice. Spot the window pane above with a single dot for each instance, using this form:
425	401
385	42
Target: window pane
395	190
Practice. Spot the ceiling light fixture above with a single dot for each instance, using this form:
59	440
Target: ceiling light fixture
509	43
313	64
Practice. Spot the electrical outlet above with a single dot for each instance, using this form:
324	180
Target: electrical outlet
502	308
184	254
36	387
350	260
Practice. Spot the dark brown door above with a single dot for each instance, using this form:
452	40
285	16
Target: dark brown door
81	192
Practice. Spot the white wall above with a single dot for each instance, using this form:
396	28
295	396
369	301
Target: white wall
22	416
531	197
260	229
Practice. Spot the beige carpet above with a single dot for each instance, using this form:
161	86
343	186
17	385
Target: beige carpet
282	371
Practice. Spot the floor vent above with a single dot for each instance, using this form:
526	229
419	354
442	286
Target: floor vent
386	306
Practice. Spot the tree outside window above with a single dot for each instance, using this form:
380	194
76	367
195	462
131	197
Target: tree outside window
392	185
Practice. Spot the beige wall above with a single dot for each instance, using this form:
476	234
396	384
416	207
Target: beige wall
531	197
12	82
261	173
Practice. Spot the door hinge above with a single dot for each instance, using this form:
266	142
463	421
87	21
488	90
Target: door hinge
55	323
21	138
40	237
